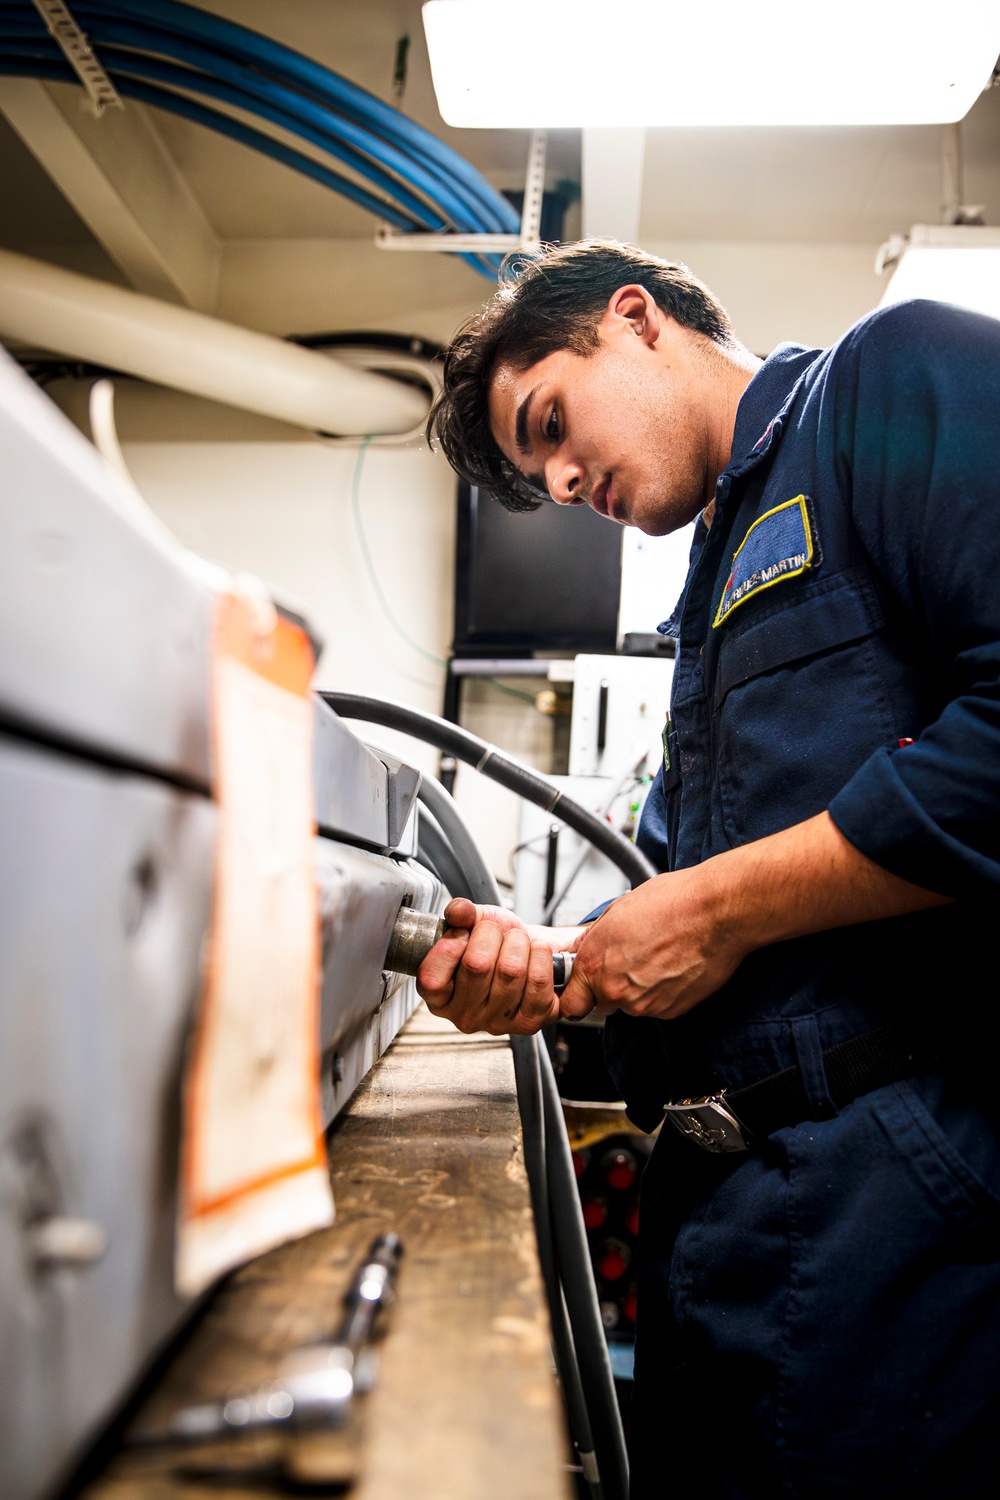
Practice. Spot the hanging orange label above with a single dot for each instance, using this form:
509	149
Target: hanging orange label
253	1170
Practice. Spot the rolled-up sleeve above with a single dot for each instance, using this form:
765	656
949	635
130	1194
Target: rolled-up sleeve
917	416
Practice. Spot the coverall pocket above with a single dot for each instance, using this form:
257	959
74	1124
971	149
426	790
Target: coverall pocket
966	1190
890	1386
800	706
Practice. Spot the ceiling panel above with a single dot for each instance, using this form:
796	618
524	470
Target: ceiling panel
829	185
824	186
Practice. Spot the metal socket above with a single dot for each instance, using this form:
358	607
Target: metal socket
413	936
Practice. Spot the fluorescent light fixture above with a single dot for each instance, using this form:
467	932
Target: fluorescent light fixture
949	263
550	63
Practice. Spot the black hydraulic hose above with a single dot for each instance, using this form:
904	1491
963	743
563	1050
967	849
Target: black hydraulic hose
577	1329
527	1073
577	1276
499	767
530	1057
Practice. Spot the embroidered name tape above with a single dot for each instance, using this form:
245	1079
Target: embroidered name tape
779	545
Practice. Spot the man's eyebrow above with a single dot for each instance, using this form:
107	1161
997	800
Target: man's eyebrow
521	422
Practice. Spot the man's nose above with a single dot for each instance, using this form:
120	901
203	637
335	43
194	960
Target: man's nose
564	482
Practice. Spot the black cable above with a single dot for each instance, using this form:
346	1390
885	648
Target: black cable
577	1275
498	767
527	1073
367	338
591	1403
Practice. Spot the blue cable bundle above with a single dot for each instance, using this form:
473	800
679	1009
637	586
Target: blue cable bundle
162	52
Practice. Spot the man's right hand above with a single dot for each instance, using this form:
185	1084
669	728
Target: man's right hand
491	972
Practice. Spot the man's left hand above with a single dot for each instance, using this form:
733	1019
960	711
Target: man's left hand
656	951
662	948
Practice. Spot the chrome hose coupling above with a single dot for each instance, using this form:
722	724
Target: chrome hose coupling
414	934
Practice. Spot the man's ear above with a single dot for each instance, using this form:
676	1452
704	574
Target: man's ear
632	310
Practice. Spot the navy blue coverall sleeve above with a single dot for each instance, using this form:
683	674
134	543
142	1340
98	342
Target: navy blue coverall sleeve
917	425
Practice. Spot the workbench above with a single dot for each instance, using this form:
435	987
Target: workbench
466	1405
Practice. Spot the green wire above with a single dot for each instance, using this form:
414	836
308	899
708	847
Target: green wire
380	595
369	564
511	692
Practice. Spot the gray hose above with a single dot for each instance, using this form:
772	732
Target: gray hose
591	1403
577	1274
575	1319
528	1073
498	767
434	850
482	887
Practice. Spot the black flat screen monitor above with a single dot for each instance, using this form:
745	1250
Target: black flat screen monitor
547	579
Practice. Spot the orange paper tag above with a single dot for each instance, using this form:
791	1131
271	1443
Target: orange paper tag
253	1167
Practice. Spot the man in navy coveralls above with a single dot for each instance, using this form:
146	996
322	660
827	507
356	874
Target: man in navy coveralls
819	1278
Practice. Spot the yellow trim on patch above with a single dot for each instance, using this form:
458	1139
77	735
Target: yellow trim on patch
800	501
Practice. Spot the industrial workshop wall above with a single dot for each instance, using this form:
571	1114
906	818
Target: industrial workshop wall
286	511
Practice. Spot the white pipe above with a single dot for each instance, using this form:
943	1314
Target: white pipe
101	411
47	307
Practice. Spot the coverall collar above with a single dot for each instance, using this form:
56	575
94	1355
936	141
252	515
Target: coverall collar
764	404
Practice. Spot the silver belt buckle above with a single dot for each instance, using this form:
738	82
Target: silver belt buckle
709	1123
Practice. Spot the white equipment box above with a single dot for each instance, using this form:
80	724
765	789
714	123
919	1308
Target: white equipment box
552	859
619	702
619	708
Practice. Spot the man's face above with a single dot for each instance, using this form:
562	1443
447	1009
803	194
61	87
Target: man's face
623	430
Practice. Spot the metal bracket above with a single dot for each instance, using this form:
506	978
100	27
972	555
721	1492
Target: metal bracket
485	244
890	253
101	92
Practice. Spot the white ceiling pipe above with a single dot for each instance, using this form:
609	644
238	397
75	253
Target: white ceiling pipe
46	307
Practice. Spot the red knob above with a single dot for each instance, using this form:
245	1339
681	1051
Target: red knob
595	1211
620	1169
613	1259
581	1161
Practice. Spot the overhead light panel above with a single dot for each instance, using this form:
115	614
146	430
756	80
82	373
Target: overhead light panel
562	63
957	263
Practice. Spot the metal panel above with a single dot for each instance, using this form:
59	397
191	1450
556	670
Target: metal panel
363	1008
105	896
352	783
360	895
363	794
105	899
105	625
404	784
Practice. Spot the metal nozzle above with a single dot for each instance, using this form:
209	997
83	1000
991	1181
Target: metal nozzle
413	936
415	933
562	968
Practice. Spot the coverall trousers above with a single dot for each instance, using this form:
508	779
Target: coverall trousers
821	1315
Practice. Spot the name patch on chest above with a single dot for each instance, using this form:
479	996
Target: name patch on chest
779	545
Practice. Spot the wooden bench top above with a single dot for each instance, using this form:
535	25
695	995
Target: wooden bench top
466	1405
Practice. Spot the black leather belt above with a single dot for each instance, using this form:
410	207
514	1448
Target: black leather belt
732	1120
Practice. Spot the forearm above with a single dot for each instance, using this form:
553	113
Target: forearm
671	943
808	878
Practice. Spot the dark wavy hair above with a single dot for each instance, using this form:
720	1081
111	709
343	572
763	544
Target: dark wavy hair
553	300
